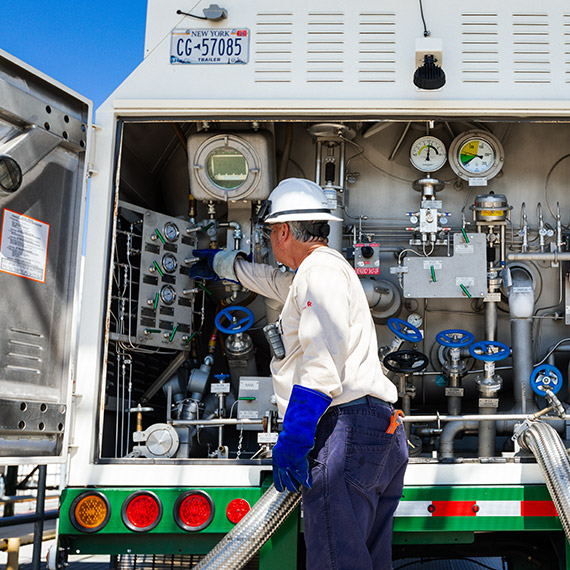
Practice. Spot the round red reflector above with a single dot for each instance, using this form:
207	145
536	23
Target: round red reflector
194	510
141	511
237	509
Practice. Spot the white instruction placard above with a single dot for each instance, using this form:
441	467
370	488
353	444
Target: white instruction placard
24	246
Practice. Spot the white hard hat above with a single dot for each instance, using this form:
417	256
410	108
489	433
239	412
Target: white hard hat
298	200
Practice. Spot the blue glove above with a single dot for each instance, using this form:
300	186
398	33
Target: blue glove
290	454
204	267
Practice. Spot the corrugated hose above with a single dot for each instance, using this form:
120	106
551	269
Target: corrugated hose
241	544
545	444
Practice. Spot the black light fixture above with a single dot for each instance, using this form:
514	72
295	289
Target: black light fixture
429	75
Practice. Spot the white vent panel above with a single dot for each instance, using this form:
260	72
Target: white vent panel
531	48
480	48
377	47
325	47
566	41
273	47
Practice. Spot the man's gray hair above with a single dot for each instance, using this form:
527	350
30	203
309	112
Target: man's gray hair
309	230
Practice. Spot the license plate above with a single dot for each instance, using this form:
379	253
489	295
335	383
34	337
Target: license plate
210	46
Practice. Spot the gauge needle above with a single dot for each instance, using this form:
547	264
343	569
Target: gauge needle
471	157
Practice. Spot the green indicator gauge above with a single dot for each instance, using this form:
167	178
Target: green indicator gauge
476	156
428	154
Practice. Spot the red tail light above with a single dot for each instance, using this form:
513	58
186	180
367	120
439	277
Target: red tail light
237	509
194	510
141	511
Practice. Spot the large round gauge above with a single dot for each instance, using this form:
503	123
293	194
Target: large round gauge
476	155
169	263
168	295
428	154
171	231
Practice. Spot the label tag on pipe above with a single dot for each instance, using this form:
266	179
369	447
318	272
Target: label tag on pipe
521	290
488	402
492	298
264	437
456	392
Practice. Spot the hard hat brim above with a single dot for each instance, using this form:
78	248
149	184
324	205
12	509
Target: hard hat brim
302	217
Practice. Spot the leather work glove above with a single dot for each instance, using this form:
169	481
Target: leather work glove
204	267
290	454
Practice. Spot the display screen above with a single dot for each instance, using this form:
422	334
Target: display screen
227	168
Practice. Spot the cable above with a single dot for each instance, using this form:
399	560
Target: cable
546	183
180	12
552	350
426	32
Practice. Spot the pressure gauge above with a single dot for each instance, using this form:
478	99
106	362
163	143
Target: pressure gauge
169	263
167	295
476	156
171	231
415	319
428	154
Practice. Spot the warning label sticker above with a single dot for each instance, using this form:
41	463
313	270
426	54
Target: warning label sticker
23	246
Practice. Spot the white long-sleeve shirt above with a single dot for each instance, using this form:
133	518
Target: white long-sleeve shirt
327	330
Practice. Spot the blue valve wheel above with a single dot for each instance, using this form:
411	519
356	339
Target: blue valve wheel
455	338
481	351
404	330
230	313
546	377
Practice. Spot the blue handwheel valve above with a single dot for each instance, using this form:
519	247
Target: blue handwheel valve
404	330
546	377
489	351
237	325
455	338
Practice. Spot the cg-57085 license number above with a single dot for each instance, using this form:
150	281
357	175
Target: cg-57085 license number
210	46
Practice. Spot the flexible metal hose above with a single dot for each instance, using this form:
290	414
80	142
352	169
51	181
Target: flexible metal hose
547	447
241	544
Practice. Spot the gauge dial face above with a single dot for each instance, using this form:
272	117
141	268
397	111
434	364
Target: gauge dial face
168	295
171	231
169	263
476	155
428	154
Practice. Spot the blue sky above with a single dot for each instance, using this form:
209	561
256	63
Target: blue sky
89	46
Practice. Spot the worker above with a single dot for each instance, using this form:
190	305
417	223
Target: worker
341	443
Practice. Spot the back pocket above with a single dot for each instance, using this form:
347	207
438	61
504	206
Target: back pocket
366	455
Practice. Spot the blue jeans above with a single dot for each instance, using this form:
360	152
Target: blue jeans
358	474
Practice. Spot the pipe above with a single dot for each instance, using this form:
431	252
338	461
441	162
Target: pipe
521	307
470	418
448	435
555	256
491	320
552	458
487	434
242	543
41	513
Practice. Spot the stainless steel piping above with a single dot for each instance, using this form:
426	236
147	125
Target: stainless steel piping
521	307
241	544
448	435
537	256
545	444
